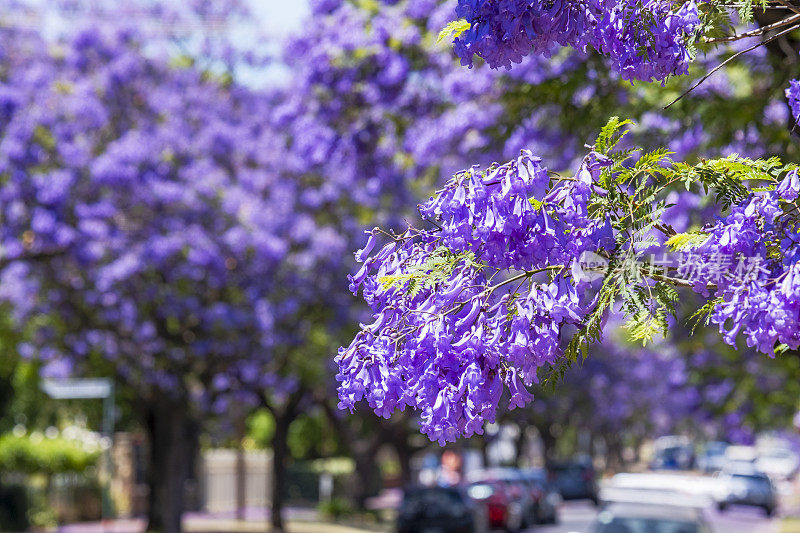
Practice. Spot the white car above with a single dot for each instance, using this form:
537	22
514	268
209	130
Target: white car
778	463
741	454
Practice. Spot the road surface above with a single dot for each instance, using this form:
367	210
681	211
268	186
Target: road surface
575	517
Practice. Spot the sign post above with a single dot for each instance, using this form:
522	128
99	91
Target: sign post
89	389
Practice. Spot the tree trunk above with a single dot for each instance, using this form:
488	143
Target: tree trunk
615	461
280	457
362	448
241	468
280	453
484	449
520	444
367	478
548	443
404	453
172	438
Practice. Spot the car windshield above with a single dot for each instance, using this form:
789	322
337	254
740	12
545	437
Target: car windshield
751	480
646	525
777	454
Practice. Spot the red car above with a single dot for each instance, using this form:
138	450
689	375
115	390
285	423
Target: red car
505	508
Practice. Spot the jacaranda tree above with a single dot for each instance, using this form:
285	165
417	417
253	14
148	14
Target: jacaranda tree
147	233
517	268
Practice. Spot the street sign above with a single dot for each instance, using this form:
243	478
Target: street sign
74	389
86	389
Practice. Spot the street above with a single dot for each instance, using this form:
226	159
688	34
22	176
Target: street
576	517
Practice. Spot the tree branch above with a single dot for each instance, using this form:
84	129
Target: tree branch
789	6
756	32
734	56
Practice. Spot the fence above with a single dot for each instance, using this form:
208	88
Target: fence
218	479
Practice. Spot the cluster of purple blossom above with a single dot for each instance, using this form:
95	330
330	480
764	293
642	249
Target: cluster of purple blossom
644	40
793	94
449	347
765	306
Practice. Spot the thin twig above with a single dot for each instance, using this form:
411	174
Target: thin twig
678	282
789	5
734	56
756	32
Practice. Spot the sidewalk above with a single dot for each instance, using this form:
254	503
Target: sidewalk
298	520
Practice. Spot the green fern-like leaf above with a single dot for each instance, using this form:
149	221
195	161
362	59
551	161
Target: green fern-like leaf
453	29
611	134
646	326
704	313
686	241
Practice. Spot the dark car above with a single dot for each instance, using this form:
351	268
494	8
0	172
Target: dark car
440	510
575	480
748	488
545	495
643	518
504	508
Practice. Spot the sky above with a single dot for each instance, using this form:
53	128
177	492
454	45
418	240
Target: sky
277	19
280	18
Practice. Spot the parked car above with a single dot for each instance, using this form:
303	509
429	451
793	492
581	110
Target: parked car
545	494
649	518
514	485
441	510
742	487
575	480
504	509
713	457
778	463
673	453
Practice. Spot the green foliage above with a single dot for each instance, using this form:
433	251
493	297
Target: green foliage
686	241
453	29
438	268
32	454
728	176
261	428
645	326
306	436
611	134
746	8
703	315
336	509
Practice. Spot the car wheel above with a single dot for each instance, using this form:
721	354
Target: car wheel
722	506
534	517
769	510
